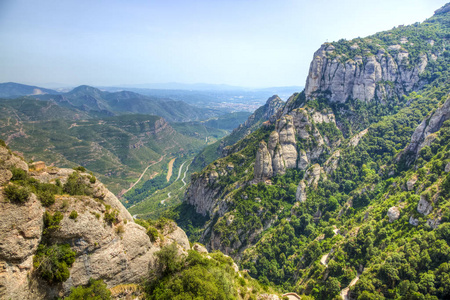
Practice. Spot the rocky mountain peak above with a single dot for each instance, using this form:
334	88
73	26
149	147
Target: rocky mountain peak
443	10
339	76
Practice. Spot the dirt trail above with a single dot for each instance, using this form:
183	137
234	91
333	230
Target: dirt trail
168	197
169	172
292	296
344	292
324	259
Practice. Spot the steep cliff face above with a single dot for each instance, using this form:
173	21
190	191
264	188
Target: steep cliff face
424	133
107	243
381	75
295	142
202	193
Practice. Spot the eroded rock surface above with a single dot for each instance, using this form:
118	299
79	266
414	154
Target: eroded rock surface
339	78
393	214
118	251
424	133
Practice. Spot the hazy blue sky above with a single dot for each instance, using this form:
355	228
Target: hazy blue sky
239	42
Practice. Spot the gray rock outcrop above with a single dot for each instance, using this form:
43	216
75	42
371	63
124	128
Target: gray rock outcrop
413	221
301	192
338	77
263	162
424	133
312	175
281	151
393	214
203	193
411	182
424	206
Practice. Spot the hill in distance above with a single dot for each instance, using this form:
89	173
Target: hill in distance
14	90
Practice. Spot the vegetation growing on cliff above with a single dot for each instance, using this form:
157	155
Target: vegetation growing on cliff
380	215
200	276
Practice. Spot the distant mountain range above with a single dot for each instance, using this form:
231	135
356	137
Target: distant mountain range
91	101
114	134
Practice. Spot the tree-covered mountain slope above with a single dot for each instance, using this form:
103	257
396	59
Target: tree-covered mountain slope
344	192
117	149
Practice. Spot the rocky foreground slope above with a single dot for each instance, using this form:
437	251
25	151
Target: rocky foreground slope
108	244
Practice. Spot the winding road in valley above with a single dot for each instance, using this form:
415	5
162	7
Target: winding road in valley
180	170
184	182
132	186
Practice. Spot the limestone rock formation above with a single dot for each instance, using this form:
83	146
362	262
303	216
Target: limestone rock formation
339	77
303	160
393	214
423	135
301	192
202	193
413	221
286	132
263	162
354	141
411	182
255	120
8	160
282	151
312	175
424	206
332	162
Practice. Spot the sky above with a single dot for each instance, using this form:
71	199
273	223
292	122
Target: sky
249	43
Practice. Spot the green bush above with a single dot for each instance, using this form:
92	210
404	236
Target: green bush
111	216
53	262
17	194
153	233
73	214
197	277
3	144
95	290
168	259
51	222
75	185
18	174
80	168
58	182
47	198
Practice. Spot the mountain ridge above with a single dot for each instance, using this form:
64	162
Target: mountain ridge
327	164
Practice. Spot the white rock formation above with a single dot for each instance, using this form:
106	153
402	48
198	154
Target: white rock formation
424	207
393	214
339	78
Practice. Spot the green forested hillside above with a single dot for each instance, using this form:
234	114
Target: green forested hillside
358	207
116	149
